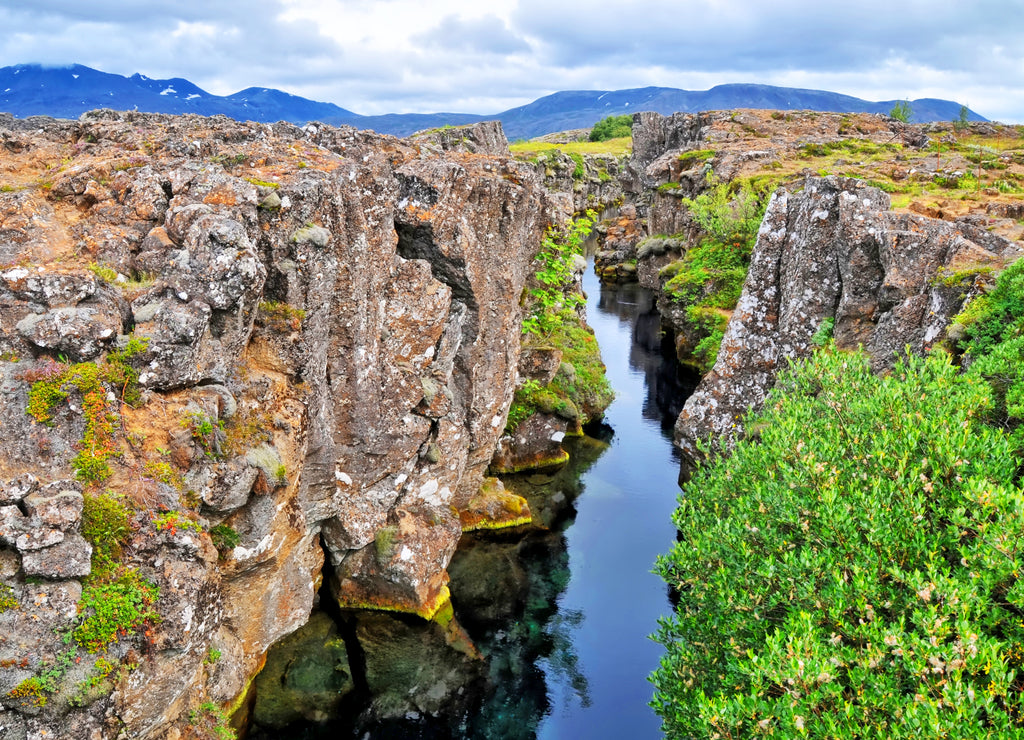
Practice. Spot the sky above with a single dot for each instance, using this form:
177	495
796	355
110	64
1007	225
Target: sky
423	56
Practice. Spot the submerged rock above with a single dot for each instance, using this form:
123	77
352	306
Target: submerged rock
306	677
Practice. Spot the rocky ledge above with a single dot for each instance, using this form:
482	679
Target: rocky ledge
267	347
833	254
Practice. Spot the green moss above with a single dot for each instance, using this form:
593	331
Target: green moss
695	156
106	525
163	472
953	278
384	543
8	600
280	316
426	611
579	172
263	183
559	458
107	274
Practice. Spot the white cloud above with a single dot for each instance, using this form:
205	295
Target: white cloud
378	56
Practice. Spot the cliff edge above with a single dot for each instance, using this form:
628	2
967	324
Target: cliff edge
229	352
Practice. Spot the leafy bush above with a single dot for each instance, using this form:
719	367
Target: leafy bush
612	127
994	342
225	538
854	571
113	608
723	213
50	386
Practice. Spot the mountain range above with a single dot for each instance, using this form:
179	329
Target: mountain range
69	91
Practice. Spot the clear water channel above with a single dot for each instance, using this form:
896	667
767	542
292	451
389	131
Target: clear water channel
550	637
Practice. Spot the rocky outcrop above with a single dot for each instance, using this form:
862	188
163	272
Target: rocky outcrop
486	137
592	180
834	251
616	260
324	326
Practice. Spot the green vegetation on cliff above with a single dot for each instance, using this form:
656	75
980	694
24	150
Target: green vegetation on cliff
993	338
854	570
709	278
579	390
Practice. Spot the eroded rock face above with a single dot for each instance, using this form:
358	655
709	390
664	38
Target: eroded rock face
329	324
834	250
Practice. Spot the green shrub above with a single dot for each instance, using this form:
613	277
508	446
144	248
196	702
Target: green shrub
997	316
854	571
612	127
554	275
723	213
225	538
708	280
994	342
113	608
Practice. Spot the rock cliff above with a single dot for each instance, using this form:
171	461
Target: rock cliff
270	346
834	251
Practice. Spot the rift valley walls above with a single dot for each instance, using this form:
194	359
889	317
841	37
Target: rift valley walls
244	349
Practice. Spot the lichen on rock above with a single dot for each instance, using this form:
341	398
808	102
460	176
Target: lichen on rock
327	336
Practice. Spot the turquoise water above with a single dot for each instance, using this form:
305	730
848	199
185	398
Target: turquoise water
560	613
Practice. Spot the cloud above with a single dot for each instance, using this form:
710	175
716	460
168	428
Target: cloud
378	56
216	44
703	35
486	35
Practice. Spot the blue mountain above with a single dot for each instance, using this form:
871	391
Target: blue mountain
67	92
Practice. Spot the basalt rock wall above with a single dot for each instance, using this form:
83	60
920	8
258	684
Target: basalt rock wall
833	250
330	330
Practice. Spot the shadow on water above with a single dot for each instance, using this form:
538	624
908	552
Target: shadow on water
549	636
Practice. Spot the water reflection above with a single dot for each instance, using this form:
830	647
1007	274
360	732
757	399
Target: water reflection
668	383
549	635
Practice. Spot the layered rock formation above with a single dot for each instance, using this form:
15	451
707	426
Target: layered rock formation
324	324
833	251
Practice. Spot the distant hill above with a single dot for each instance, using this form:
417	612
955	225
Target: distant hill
67	92
581	108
